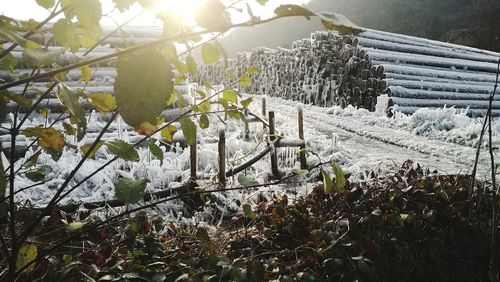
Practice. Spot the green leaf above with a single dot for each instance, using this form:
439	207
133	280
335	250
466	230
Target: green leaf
221	50
204	121
181	67
209	53
35	176
65	34
103	102
123	150
246	181
11	35
235	114
202	94
27	253
86	148
247	210
39	173
245	81
252	70
338	22
130	191
168	132
48	138
293	10
339	178
32	44
69	99
204	107
68	128
47	4
230	95
40	57
327	182
32	160
191	65
86	73
124	5
262	2
245	103
75	226
156	151
189	130
18	99
213	16
89	35
143	86
88	12
8	62
300	172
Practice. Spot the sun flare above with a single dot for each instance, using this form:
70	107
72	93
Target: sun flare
184	9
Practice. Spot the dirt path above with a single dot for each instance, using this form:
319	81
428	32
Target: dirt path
374	144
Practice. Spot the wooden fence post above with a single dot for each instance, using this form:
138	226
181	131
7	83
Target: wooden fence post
247	125
264	111
272	136
302	153
194	158
222	157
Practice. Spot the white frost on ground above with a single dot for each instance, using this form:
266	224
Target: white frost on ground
448	125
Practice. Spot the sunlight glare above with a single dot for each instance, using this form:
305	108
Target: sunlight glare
184	9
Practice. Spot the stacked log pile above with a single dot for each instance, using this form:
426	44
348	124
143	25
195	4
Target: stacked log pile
333	69
102	80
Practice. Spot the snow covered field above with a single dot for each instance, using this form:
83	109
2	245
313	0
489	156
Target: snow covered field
360	141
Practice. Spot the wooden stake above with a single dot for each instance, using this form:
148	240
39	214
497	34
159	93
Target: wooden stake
272	136
247	125
264	111
302	153
222	157
194	159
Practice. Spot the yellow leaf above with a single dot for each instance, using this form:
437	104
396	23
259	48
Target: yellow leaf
146	128
49	139
27	253
86	73
103	102
75	226
45	112
168	133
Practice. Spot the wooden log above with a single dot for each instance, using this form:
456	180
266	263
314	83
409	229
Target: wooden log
430	61
402	92
423	50
441	86
470	112
440	103
412	40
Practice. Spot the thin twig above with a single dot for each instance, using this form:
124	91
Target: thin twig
494	219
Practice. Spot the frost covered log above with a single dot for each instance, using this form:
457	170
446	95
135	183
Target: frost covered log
334	69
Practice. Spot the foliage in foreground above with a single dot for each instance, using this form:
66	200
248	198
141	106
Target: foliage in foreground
408	225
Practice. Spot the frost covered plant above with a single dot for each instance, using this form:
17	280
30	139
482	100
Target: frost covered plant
144	87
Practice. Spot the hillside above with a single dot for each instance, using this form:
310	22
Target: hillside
430	19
